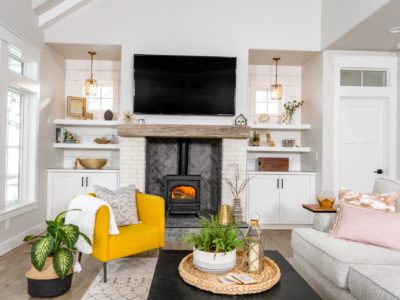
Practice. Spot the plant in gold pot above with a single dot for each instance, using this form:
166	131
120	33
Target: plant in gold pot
214	247
52	258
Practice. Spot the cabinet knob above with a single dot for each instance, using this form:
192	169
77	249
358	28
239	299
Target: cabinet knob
87	181
82	181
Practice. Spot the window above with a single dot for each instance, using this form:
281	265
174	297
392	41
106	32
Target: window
103	100
15	62
18	124
363	78
13	146
264	103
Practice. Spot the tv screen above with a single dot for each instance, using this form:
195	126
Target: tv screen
184	85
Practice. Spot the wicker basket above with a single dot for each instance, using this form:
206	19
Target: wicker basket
209	282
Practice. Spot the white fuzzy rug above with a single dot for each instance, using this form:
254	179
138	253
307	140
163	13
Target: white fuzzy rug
127	278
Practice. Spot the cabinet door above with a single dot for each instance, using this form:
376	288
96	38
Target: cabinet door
107	180
295	190
264	198
65	187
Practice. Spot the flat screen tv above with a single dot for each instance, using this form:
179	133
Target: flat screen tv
184	85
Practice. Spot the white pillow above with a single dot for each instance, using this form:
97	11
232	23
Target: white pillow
122	202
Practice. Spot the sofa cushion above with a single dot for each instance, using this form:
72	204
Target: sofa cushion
386	185
134	239
375	282
333	257
368	226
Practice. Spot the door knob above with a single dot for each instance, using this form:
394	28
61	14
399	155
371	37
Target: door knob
379	171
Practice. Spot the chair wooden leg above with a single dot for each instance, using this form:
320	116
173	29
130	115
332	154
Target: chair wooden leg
105	271
80	257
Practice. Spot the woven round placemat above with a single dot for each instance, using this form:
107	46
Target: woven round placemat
210	282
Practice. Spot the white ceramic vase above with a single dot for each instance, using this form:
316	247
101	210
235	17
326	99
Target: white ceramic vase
211	262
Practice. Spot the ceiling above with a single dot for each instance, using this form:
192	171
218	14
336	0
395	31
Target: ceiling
80	51
372	34
288	58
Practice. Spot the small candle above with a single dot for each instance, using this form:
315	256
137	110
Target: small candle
254	257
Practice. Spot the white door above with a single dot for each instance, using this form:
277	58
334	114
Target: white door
65	187
264	198
362	142
107	180
295	191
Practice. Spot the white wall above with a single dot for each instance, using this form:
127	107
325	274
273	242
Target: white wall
339	16
312	93
18	16
190	27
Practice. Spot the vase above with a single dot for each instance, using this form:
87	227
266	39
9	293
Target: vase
237	211
211	262
224	215
326	199
108	115
45	283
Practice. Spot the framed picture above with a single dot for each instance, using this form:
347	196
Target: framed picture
76	107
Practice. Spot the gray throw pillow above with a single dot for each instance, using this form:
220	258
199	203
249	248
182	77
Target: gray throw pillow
122	202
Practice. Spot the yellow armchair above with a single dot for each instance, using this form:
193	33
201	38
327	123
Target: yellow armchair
132	239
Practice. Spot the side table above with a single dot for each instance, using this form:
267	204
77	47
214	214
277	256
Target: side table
315	208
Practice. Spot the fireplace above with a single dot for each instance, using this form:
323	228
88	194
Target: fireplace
183	194
183	190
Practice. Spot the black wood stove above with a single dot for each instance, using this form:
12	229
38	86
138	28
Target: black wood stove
183	190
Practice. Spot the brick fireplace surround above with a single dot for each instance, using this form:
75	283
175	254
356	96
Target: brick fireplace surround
133	150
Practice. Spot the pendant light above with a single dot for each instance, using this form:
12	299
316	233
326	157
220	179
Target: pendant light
91	84
276	88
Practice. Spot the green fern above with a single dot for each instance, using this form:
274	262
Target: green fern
214	237
58	242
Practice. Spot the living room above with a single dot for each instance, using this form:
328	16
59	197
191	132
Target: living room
157	124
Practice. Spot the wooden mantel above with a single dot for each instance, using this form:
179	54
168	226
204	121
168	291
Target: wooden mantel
184	131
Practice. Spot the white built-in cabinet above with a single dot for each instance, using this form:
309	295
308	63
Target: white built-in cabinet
278	197
65	184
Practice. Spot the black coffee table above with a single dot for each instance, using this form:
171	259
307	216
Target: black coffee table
167	284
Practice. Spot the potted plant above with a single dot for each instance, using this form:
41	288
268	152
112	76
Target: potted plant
290	108
52	258
214	247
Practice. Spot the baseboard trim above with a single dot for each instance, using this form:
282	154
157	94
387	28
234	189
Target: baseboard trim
284	226
15	241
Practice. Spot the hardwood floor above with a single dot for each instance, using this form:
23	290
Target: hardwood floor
14	264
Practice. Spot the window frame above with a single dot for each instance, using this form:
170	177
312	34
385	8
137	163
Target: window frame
28	86
258	87
115	97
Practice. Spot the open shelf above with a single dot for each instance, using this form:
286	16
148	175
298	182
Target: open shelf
87	146
279	149
281	126
88	123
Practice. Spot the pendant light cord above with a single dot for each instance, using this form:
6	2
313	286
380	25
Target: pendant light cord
91	66
276	72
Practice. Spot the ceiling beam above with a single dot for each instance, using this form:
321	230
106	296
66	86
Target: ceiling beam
41	6
64	8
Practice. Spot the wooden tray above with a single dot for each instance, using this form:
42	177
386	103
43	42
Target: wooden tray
209	282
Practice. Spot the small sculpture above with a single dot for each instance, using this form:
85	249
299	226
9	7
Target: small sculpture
108	115
241	120
127	117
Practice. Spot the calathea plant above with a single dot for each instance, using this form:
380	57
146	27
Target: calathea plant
58	242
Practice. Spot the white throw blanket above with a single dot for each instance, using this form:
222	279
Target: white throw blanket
85	219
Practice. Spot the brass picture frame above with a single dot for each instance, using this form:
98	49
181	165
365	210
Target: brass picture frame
76	107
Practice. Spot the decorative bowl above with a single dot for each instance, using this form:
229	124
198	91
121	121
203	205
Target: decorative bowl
90	163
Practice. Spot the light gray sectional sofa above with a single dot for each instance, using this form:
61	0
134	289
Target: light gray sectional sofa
340	269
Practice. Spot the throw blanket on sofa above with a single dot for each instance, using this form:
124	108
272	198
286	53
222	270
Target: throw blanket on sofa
85	219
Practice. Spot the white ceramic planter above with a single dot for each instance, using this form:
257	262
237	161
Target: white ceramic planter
211	262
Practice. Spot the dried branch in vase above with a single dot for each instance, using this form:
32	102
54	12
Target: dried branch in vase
235	184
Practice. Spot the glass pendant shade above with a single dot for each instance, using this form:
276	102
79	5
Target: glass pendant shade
91	87
276	91
276	88
91	84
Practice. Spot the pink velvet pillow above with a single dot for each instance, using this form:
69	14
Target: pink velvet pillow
369	226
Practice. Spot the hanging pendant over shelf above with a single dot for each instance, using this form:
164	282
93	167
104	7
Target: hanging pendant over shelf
91	83
276	88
